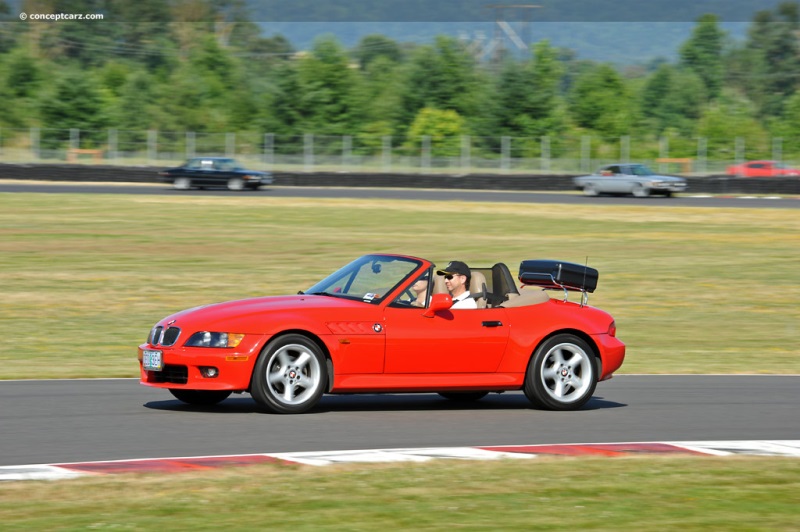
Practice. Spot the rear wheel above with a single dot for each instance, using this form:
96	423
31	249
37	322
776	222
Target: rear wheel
562	374
590	190
200	397
464	397
290	375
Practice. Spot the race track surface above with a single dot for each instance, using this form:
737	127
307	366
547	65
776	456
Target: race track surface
86	420
684	200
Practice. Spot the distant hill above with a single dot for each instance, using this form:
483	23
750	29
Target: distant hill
624	32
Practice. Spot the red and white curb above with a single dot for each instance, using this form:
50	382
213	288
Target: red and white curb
778	448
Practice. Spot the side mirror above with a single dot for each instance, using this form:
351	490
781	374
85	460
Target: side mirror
438	302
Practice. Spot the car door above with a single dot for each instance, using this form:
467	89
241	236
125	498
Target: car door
452	341
616	181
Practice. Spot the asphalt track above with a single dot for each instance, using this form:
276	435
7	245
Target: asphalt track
86	420
685	200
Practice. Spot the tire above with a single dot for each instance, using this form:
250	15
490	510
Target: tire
290	375
182	183
640	191
236	184
562	374
200	397
590	190
464	397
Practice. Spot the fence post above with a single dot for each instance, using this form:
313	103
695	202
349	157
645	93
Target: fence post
426	152
35	144
663	152
347	150
190	145
74	138
546	153
152	145
466	162
230	144
739	148
702	155
386	154
625	148
269	150
505	153
777	149
308	152
586	153
112	145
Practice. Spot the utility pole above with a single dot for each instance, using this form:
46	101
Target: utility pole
504	30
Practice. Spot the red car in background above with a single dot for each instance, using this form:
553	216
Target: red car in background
361	330
762	169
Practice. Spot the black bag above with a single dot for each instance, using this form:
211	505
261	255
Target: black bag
558	274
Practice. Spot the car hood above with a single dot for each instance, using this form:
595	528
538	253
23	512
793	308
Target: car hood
253	315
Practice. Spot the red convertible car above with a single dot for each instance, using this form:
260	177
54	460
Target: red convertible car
377	326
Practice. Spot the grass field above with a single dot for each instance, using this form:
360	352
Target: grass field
614	494
84	277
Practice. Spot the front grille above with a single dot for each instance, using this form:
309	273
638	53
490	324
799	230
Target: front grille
159	336
170	336
170	374
155	335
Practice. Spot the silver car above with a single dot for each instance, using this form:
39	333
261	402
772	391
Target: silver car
626	178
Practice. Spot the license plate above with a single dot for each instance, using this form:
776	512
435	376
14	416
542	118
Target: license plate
152	361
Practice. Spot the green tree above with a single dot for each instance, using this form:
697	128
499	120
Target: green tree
326	84
672	98
702	53
601	102
371	47
441	76
444	127
75	103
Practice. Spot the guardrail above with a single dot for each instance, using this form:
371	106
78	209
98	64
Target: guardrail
554	182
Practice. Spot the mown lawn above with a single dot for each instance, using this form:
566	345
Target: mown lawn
647	493
84	277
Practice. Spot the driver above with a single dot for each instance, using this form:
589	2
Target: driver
456	278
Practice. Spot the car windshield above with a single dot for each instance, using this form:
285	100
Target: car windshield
370	278
640	169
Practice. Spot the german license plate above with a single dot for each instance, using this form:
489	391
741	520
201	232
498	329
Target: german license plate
152	360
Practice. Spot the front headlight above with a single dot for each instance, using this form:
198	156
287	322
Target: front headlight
214	339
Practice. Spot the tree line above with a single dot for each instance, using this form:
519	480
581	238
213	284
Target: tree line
203	66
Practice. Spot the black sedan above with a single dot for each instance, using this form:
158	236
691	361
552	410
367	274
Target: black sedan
207	172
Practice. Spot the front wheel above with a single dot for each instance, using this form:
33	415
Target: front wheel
562	374
200	397
182	183
640	191
235	183
290	375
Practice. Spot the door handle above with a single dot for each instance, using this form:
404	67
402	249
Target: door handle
492	323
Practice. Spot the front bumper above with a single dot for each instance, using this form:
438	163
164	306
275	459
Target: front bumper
187	367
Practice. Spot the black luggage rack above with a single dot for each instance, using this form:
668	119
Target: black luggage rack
559	275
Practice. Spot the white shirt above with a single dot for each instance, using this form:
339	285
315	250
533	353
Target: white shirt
464	301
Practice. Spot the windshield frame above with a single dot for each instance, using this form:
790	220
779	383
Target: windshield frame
348	274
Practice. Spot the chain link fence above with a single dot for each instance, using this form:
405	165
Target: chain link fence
369	153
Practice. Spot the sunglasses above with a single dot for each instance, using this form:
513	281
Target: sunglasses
450	277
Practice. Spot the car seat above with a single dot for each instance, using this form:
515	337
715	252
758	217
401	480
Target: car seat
477	288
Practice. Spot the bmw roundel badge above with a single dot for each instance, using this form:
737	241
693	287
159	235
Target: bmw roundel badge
377	327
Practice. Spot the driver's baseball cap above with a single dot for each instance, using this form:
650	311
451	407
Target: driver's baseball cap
455	268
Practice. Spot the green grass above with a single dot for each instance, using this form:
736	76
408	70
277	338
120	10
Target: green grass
84	277
615	494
